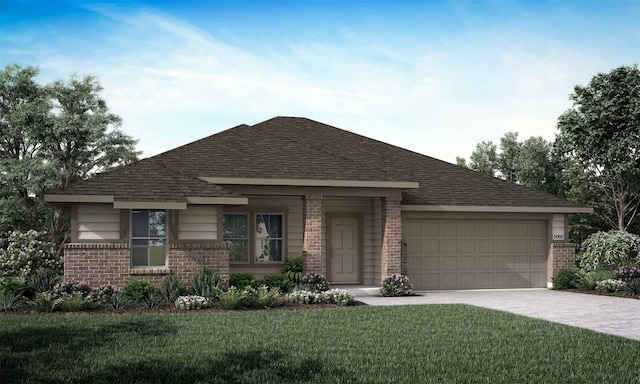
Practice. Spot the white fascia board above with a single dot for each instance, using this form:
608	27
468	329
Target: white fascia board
503	209
78	199
148	205
312	183
218	200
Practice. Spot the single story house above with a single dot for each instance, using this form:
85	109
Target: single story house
356	210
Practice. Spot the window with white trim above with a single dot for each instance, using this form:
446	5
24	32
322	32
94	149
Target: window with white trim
263	237
148	238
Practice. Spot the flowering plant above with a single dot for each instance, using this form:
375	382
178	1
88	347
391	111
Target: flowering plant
610	285
192	302
305	297
314	282
396	285
339	296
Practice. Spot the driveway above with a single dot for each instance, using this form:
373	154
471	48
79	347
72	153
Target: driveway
613	315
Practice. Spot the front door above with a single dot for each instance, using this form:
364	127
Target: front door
344	250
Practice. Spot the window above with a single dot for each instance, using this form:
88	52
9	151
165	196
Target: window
269	237
264	238
148	238
236	234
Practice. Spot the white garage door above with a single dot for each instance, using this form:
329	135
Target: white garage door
468	254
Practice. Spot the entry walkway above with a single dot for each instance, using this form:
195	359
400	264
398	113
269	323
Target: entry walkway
612	315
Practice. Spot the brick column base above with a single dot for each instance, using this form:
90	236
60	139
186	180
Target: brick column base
312	241
391	254
561	256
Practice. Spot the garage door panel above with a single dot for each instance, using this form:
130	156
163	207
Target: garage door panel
459	254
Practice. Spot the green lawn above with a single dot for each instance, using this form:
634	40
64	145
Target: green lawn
408	344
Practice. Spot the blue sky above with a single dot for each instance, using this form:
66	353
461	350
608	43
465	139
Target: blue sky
434	77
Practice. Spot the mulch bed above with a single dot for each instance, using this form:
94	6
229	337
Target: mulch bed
637	297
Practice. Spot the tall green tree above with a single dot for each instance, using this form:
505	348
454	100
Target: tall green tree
508	159
52	136
483	159
600	134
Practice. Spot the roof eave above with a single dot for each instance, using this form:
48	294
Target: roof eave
311	182
493	209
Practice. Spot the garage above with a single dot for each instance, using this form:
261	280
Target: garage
475	254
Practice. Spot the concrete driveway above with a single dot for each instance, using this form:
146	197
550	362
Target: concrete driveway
613	315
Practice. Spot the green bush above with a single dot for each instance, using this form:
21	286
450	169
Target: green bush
46	302
43	280
14	285
232	298
396	285
117	301
26	252
314	282
172	288
72	287
153	300
293	269
609	286
631	287
242	280
268	297
609	250
279	281
137	289
566	278
11	301
206	283
77	302
588	281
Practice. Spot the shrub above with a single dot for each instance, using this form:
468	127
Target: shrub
26	252
241	280
137	289
588	281
267	297
631	287
43	280
232	298
71	287
305	297
609	250
11	301
279	281
172	288
396	285
627	273
609	286
46	302
117	301
153	300
314	282
566	278
207	283
293	268
14	285
339	296
192	302
76	302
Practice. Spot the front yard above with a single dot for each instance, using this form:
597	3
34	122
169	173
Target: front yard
406	344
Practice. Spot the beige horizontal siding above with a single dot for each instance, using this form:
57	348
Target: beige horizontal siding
98	222
198	222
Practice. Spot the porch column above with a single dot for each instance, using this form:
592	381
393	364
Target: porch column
312	242
561	256
390	256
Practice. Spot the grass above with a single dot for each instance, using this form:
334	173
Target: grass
406	344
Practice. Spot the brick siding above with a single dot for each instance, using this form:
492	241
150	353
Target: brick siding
561	256
391	255
312	242
109	263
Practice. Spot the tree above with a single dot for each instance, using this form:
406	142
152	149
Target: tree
508	159
483	158
601	135
50	137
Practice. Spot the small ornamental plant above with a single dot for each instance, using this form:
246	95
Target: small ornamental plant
627	273
609	286
305	297
314	282
192	302
396	285
339	296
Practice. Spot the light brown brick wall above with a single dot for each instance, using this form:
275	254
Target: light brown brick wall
391	255
561	256
109	263
312	241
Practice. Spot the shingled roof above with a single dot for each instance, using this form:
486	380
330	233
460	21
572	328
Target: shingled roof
294	148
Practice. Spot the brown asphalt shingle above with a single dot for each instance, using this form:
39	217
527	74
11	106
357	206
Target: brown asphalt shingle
299	148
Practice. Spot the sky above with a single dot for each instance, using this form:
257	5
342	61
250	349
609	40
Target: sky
435	77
